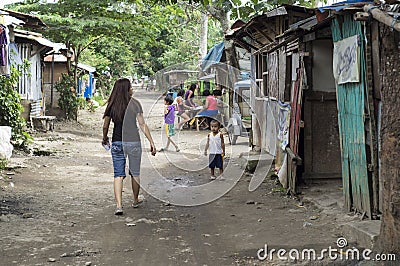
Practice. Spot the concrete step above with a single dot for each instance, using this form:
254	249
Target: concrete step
364	233
250	160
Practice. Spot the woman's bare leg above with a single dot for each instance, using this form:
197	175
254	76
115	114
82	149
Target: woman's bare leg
185	117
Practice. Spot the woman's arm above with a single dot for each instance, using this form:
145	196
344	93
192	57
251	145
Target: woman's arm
182	102
145	129
106	125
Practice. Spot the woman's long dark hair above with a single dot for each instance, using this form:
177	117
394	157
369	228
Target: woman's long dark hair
119	100
193	87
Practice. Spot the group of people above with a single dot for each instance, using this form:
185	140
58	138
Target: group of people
187	107
127	115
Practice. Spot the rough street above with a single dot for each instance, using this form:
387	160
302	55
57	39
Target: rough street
59	210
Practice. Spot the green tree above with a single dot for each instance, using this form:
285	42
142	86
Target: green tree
80	23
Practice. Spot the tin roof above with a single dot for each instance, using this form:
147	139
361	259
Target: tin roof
34	36
29	20
261	29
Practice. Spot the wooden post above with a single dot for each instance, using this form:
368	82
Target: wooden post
381	16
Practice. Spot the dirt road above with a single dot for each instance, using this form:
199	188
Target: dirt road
60	209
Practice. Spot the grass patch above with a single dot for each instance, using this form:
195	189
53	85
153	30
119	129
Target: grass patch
3	164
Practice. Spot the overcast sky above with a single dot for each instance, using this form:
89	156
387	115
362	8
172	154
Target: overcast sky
5	2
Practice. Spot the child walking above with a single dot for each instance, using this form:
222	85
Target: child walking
169	120
216	147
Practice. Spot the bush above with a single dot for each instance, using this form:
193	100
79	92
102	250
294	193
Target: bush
3	163
11	108
68	101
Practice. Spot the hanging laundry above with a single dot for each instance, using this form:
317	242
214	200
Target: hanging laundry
3	45
4	61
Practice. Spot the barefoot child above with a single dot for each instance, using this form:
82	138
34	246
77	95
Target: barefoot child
216	147
169	120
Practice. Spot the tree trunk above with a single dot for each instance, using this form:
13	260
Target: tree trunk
225	23
221	14
389	240
69	56
76	60
203	36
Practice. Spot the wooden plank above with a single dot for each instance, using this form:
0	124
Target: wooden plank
267	27
264	34
376	59
308	154
294	128
372	127
273	75
282	75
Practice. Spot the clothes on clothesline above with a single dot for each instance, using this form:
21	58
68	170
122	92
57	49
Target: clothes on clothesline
4	60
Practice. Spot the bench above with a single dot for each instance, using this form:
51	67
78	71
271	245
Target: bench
201	120
46	122
43	122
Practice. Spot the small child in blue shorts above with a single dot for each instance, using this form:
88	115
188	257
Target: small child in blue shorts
216	147
169	120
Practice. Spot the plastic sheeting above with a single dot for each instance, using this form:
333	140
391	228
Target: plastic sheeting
5	146
213	56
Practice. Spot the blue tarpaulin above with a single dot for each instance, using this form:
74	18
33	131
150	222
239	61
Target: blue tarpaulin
342	5
213	56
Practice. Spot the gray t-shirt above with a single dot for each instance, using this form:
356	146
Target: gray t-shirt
127	130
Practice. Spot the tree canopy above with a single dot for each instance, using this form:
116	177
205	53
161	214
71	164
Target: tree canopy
124	36
128	37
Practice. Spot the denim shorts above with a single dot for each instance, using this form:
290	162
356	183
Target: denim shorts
119	151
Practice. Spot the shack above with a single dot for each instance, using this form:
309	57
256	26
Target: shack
55	64
317	105
24	45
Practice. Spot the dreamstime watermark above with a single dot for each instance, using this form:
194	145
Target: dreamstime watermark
190	163
340	252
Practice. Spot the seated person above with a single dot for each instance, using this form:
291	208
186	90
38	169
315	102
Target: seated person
182	109
210	108
189	95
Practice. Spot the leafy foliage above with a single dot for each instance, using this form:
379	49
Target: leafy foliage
11	108
68	100
123	37
3	163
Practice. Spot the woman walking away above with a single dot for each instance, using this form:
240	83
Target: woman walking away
125	112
